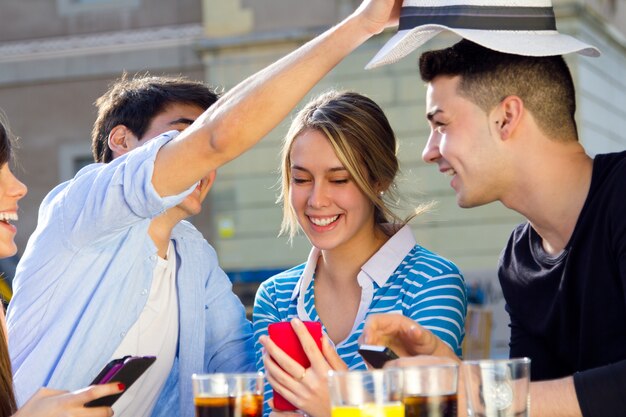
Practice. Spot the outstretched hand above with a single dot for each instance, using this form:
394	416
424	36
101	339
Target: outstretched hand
404	336
56	403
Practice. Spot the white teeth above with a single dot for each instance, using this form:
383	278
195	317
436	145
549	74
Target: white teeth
449	172
323	222
6	217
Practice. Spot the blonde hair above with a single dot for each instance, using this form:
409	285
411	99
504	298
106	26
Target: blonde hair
363	141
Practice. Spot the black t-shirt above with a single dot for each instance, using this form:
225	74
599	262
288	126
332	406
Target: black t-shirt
568	313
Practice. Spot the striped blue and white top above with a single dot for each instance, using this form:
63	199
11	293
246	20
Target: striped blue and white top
402	277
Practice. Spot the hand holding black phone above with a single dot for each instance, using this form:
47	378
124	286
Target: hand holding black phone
377	356
124	370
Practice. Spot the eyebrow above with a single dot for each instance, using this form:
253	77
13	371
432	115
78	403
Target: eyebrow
336	169
182	120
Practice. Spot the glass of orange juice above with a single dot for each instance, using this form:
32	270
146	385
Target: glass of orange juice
376	393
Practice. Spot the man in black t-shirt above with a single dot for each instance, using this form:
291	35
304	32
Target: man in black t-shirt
503	129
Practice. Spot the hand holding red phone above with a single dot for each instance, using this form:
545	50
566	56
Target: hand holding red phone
285	337
305	387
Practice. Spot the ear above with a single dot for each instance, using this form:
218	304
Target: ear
119	140
381	187
508	116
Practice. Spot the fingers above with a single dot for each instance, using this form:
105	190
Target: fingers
394	330
48	392
309	346
379	328
94	392
405	336
332	357
424	342
283	360
279	379
50	402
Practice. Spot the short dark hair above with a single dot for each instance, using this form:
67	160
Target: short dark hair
487	77
135	102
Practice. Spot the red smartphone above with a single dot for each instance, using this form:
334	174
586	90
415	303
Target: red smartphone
125	370
285	338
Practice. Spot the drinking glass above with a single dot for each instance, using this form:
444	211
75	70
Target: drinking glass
376	393
228	395
430	390
498	388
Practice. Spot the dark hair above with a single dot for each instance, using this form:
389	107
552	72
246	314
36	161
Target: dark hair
7	398
363	141
135	102
487	77
5	143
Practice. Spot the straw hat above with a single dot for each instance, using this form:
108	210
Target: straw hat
521	27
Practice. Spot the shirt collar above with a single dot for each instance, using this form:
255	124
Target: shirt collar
378	268
307	274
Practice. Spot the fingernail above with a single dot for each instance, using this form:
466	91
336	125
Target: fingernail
121	386
296	322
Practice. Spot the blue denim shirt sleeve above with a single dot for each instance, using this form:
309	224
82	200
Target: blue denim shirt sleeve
85	276
81	266
111	197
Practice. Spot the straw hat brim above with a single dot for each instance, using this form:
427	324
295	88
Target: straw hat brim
528	43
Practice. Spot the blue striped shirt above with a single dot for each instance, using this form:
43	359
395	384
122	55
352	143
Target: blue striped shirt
402	277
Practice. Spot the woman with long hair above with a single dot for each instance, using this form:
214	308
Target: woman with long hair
46	402
339	165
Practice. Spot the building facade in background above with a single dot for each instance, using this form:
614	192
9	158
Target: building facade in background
58	56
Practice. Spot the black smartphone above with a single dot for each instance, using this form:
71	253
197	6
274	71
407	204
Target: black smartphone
376	356
125	370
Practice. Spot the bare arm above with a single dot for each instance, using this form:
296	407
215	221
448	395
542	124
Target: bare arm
255	106
555	398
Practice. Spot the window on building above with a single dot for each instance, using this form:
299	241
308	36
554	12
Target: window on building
73	157
66	7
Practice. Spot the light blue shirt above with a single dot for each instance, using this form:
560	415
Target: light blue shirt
86	274
401	277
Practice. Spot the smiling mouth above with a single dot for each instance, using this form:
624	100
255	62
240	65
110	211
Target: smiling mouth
323	221
8	217
449	172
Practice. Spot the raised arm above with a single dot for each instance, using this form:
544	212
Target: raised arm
255	106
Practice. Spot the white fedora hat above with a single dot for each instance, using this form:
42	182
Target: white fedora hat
521	27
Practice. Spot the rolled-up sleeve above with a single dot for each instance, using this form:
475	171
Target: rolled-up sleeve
106	198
